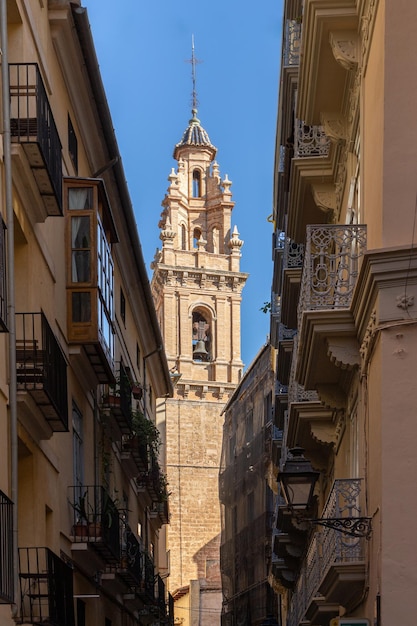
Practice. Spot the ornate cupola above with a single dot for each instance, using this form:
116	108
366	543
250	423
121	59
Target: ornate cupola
197	281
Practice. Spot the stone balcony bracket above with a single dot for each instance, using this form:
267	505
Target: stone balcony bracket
345	48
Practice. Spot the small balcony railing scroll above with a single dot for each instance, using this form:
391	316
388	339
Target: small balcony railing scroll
329	547
293	254
331	266
310	141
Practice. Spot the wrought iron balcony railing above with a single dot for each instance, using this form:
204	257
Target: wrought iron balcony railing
148	588
170	616
41	368
6	549
331	266
328	547
32	125
286	334
162	605
118	398
292	43
293	254
296	392
96	520
46	588
131	558
310	141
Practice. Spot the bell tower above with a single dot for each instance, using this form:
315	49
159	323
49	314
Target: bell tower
197	286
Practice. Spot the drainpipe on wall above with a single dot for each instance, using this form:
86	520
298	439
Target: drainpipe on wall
11	296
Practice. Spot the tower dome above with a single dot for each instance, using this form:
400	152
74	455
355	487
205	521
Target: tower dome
195	136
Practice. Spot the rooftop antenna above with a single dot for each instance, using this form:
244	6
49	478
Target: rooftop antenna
193	62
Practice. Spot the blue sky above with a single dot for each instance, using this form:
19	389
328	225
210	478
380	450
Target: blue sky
142	51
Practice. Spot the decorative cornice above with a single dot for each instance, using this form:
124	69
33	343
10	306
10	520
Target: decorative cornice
218	281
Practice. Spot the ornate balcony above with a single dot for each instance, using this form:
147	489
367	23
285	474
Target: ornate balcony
292	43
6	549
327	335
313	172
281	403
285	352
334	569
310	141
331	266
311	424
293	260
42	371
33	127
46	588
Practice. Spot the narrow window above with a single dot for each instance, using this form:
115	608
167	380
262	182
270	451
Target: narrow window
78	449
3	278
183	237
138	357
196	237
216	240
80	612
249	426
201	337
72	145
268	408
196	184
122	306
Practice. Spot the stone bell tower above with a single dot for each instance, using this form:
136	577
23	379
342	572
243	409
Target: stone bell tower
197	287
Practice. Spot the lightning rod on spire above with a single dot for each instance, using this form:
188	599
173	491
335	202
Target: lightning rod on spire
193	62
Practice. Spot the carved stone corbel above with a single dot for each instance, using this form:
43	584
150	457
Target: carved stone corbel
334	126
344	352
332	396
323	432
325	197
345	46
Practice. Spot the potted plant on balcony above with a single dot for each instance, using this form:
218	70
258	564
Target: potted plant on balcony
146	431
80	527
137	391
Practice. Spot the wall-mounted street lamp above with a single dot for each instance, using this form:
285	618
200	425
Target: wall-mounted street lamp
297	481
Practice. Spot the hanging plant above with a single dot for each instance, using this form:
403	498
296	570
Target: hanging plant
146	431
